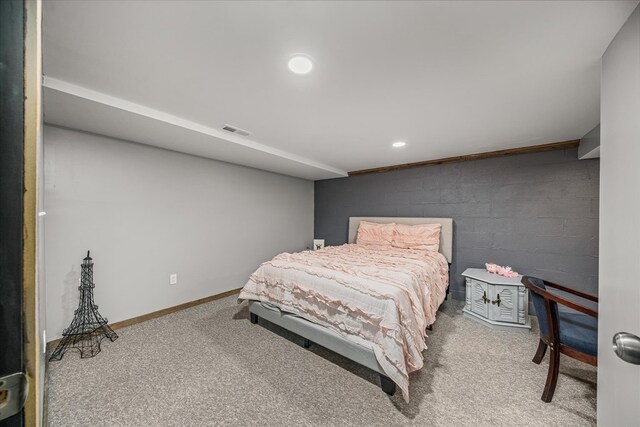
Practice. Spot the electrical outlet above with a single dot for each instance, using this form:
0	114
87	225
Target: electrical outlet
173	279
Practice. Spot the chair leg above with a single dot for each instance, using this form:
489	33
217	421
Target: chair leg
253	318
306	343
542	349
552	375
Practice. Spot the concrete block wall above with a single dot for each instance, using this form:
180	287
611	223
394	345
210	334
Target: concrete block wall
536	212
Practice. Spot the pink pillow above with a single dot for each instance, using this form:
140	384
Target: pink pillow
373	233
420	236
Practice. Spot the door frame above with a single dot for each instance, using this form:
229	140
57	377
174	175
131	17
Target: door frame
20	160
34	345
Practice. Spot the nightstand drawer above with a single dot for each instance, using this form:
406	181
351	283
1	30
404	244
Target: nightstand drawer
479	297
504	303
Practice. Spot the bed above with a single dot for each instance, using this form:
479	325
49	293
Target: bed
370	304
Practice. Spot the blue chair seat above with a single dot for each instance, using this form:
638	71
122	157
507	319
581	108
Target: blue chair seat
579	332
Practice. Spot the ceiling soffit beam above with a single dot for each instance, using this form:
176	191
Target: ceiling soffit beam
590	144
123	104
510	151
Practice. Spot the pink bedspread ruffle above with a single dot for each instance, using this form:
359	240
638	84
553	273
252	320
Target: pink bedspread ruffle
382	297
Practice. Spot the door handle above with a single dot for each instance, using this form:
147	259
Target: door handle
627	347
13	393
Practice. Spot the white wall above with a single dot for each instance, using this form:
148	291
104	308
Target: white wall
619	308
146	213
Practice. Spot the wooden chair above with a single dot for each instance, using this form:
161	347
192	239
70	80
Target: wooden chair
572	334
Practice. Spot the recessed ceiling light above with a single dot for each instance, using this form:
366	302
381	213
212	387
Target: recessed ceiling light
398	144
300	64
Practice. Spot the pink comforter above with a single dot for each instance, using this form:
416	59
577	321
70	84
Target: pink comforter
382	298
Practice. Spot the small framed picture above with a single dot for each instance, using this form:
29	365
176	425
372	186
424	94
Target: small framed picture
318	244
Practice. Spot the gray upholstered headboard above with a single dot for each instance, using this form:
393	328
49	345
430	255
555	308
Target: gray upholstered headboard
446	233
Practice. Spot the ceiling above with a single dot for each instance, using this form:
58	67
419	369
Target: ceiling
449	78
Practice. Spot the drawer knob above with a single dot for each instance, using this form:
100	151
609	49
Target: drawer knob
484	297
496	301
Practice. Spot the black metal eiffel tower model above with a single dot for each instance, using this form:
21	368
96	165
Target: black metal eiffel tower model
88	328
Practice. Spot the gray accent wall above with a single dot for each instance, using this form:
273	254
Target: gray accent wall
536	212
146	213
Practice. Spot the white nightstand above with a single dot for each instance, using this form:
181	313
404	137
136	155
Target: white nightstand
497	300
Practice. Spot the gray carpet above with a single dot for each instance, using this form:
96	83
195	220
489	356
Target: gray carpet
209	366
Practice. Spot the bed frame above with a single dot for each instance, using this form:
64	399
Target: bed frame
331	340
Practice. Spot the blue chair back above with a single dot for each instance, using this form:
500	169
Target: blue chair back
539	305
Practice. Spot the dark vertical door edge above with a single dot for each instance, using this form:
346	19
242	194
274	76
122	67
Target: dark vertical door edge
12	14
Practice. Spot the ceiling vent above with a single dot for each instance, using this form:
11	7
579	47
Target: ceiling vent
236	130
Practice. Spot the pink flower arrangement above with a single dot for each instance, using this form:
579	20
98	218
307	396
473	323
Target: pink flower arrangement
502	271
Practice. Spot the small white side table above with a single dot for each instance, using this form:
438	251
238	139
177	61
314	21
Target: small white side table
496	300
